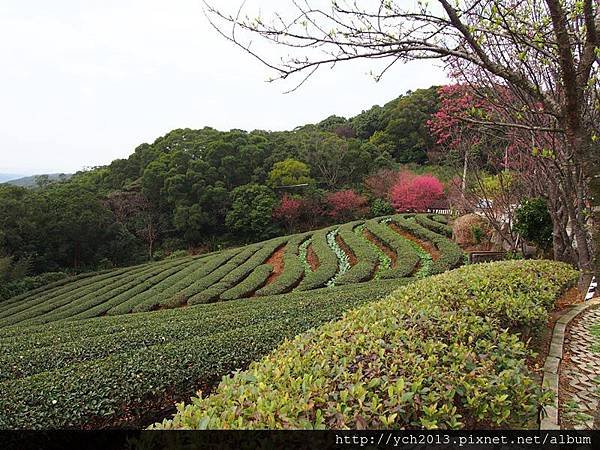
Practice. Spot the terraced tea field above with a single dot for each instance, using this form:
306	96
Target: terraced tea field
118	346
385	248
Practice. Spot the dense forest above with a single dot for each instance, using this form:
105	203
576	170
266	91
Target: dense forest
206	189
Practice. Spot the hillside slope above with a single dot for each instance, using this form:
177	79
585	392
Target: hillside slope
389	247
74	354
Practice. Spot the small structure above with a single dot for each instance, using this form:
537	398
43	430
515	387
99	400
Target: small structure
486	256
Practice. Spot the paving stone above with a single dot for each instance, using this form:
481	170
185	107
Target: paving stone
581	374
551	364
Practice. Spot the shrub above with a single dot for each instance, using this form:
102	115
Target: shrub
25	285
381	207
293	269
533	222
416	193
433	225
71	373
250	284
328	263
431	355
451	255
346	205
366	257
406	257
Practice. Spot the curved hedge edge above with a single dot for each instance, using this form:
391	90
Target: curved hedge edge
406	257
250	284
328	262
368	369
293	269
451	255
434	226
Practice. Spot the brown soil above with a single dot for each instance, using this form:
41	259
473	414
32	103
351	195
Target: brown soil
312	258
389	252
276	260
351	256
427	246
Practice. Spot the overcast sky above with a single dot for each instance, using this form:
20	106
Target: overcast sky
85	82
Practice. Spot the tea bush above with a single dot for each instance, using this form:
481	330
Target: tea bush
431	355
67	374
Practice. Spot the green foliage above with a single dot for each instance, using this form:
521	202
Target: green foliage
434	354
533	222
223	275
251	210
293	269
328	262
289	172
343	260
381	207
405	135
28	284
451	254
438	227
385	263
406	257
70	373
367	259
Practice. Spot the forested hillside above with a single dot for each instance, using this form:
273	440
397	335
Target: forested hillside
207	189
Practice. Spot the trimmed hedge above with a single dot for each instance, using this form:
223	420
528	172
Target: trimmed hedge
439	218
343	261
434	354
406	257
34	298
366	258
237	274
328	262
27	285
125	360
250	284
451	255
432	225
67	304
293	269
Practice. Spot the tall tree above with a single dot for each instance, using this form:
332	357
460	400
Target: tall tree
546	52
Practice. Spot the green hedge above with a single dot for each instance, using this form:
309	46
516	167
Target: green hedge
236	274
366	258
293	269
328	262
250	284
74	286
431	355
439	218
27	285
104	367
406	257
451	255
67	303
432	225
128	289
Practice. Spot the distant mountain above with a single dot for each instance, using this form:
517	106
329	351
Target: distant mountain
31	180
4	177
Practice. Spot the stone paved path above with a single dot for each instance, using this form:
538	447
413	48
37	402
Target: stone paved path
581	377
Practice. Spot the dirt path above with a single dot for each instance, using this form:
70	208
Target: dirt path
351	256
389	252
275	260
312	258
427	246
